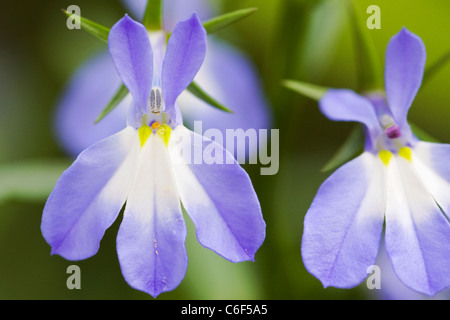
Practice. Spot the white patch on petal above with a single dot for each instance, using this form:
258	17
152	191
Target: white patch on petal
372	203
434	183
122	175
402	242
407	193
154	187
151	238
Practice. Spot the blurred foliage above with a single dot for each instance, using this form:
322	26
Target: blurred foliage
306	40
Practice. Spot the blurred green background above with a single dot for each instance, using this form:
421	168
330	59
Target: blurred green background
287	39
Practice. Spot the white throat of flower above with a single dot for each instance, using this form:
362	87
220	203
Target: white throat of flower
391	141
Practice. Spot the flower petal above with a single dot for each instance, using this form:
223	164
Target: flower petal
346	105
150	242
431	163
404	67
132	55
391	286
185	53
343	226
435	155
228	76
219	197
87	93
417	232
89	195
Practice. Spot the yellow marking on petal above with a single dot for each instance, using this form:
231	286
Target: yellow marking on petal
405	152
164	132
385	156
144	132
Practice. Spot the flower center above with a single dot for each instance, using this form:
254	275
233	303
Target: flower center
156	114
162	130
391	129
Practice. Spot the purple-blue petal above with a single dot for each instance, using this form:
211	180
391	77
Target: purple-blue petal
391	286
346	105
185	53
89	195
86	95
219	197
404	67
132	55
343	226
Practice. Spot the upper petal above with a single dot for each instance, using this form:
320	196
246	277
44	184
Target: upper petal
343	226
185	53
404	67
89	195
346	105
150	242
132	55
417	231
219	197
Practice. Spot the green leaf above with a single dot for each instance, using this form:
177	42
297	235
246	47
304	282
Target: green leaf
319	40
421	134
222	21
30	180
368	64
309	90
431	70
120	94
153	15
352	146
202	95
93	28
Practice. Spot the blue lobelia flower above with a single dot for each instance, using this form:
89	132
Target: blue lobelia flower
145	165
226	74
398	180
